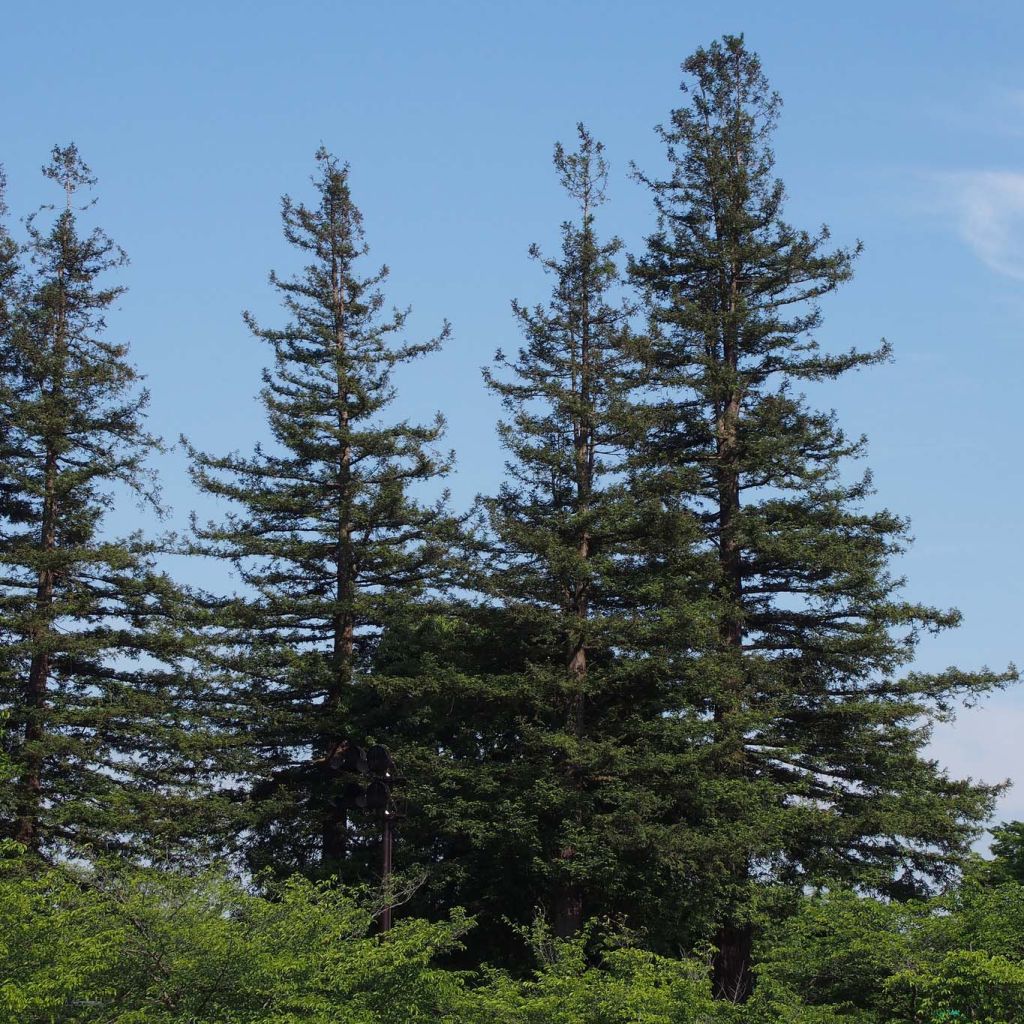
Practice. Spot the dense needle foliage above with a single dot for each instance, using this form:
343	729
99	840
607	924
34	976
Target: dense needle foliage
813	770
330	540
101	726
574	748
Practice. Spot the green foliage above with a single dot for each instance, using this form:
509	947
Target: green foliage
116	948
627	986
164	949
812	762
1008	852
110	946
102	730
330	542
558	783
861	959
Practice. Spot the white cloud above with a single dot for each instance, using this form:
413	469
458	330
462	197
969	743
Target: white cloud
990	209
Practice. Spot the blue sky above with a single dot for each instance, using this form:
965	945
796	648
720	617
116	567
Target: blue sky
903	126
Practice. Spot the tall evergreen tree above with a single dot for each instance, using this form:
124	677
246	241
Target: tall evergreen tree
329	539
93	648
814	769
592	766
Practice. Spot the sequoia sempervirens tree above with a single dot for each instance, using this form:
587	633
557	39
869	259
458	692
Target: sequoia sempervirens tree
814	768
569	564
98	723
327	538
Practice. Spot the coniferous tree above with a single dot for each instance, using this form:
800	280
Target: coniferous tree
98	725
593	767
813	768
329	539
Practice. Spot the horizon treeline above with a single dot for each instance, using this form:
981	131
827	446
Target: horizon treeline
660	679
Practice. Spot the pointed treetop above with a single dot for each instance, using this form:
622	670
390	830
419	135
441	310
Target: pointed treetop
728	75
331	163
69	170
583	174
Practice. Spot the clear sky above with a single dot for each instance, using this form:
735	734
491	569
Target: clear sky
903	126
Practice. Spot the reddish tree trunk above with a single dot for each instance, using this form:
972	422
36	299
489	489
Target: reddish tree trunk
335	820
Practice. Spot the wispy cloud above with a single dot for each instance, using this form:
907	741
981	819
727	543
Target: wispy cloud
989	206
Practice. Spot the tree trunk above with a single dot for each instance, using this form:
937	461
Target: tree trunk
27	827
568	916
568	911
731	974
732	977
335	821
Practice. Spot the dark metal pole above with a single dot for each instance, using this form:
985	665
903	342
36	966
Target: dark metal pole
386	846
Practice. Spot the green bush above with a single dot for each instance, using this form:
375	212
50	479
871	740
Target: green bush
160	948
116	947
955	957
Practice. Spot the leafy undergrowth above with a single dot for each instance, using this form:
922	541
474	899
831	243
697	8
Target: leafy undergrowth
163	948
